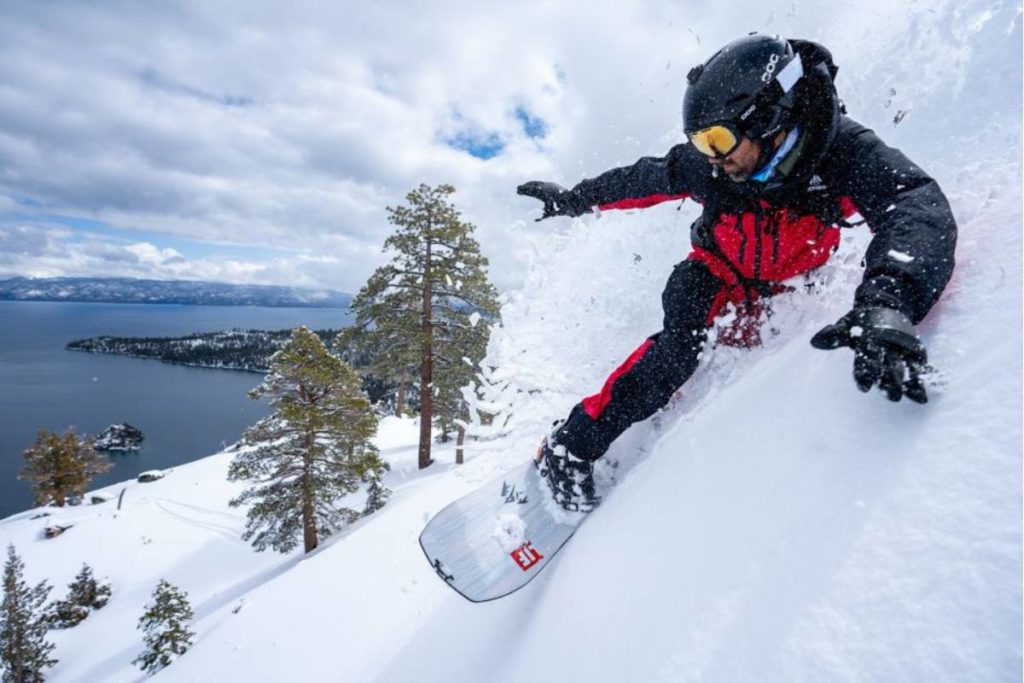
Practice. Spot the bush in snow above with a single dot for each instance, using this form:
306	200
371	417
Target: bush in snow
84	594
165	625
64	614
377	495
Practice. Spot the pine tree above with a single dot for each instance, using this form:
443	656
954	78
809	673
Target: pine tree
376	495
421	303
311	452
61	466
24	650
165	625
87	591
66	614
84	594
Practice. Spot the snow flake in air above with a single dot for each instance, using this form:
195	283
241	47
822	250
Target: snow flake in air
900	256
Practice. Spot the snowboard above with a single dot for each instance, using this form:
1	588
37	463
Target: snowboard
496	539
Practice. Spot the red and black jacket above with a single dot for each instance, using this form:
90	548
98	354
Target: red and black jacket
753	236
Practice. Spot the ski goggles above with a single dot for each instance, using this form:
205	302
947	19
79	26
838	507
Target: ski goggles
718	141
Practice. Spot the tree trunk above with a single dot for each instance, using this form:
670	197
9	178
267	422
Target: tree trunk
426	367
309	538
458	445
400	398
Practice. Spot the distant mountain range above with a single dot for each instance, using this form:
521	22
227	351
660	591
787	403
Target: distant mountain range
132	291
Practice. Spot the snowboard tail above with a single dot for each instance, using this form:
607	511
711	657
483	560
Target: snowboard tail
496	539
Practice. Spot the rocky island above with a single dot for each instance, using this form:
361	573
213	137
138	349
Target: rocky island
119	437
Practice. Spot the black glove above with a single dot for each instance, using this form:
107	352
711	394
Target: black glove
887	350
558	201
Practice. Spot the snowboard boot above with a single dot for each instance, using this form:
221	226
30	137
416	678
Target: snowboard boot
570	479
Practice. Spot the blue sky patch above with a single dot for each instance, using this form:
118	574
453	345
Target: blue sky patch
487	145
533	126
481	146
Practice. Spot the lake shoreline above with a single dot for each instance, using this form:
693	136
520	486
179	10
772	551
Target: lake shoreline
185	411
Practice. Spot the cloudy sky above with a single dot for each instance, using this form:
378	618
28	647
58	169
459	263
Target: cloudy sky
260	142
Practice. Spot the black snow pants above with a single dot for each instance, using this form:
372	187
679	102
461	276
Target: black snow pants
647	379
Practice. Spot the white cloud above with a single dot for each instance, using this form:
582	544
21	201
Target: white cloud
55	251
290	128
252	125
151	255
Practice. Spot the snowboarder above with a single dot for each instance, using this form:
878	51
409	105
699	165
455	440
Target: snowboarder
779	169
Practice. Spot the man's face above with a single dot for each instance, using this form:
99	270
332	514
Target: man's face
741	163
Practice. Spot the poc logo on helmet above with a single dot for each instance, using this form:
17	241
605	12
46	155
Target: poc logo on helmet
769	69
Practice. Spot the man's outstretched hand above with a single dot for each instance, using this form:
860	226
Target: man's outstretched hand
887	351
558	201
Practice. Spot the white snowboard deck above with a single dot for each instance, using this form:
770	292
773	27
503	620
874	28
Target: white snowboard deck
495	540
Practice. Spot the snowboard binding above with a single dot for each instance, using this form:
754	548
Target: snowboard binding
570	479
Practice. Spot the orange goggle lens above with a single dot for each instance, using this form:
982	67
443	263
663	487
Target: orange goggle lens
715	141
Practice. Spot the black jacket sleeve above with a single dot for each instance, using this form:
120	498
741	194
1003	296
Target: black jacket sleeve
910	259
671	176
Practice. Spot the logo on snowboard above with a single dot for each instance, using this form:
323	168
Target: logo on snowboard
526	556
510	494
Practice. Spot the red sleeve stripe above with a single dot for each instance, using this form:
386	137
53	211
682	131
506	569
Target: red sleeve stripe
595	405
642	202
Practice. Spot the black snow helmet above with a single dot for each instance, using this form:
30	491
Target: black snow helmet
748	86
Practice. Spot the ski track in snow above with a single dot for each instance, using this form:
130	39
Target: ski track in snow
200	517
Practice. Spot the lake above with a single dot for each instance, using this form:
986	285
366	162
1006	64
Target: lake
185	413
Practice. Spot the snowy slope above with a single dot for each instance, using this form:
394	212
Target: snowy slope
784	527
773	524
181	528
793	529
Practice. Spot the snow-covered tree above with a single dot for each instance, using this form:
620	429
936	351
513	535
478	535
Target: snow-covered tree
24	650
420	305
376	494
311	452
61	466
165	625
458	356
65	614
84	593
